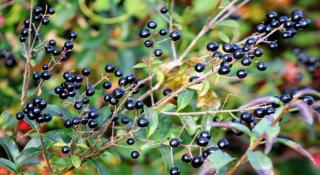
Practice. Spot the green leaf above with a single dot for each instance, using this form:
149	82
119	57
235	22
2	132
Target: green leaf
229	23
104	114
219	159
101	5
262	126
101	168
232	125
260	162
140	65
27	156
4	117
8	164
76	161
223	37
189	123
184	98
31	123
165	153
58	110
271	136
205	88
152	116
10	147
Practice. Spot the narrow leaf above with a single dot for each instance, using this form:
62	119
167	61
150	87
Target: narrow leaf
223	37
165	153
270	137
262	126
8	164
189	123
297	147
219	159
260	162
10	147
232	125
58	111
305	111
184	98
152	116
27	156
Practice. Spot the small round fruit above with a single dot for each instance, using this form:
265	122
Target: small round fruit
285	98
73	35
246	116
199	67
197	161
261	66
174	171
175	35
158	52
65	149
107	85
85	71
68	123
36	76
130	141
166	91
143	122
163	32
205	134
174	142
259	112
110	68
308	99
135	154
223	143
20	116
148	43
144	33
93	123
246	61
163	10
212	46
186	158
152	24
202	141
224	70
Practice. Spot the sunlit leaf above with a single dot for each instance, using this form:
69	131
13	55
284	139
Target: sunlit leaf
184	98
260	162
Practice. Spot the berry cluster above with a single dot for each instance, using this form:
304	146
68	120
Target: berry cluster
150	33
69	86
288	24
312	64
63	55
33	111
7	58
40	16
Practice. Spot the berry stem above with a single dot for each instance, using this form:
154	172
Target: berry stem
44	151
173	46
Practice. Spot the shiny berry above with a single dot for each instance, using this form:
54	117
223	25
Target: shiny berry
68	45
241	73
205	134
139	104
246	116
166	91
246	61
152	24
45	20
197	162
261	66
296	15
125	120
224	70
308	99
175	35
130	141
199	67
285	98
110	68
223	143
174	171
73	35
76	121
78	105
85	71
68	123
144	33
186	158
157	52
107	85
212	46
65	149
45	75
259	112
143	122
36	76
163	32
135	154
93	123
52	10
20	116
272	15
174	142
270	110
163	10
130	105
202	141
148	43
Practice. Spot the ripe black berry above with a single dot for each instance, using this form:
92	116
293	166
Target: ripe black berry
118	93
38	10
131	78
308	99
238	54
174	171
145	33
76	121
73	35
107	85
68	44
125	120
296	15
163	32
45	20
47	117
209	151
212	46
174	142
259	112
186	158
271	15
164	10
205	134
246	116
65	149
260	28
85	71
193	78
68	123
285	98
130	105
78	105
130	141
143	122
246	61
258	52
157	52
152	24
122	81
114	101
175	35
93	113
223	143
20	116
139	104
90	90
241	73
93	123
45	75
36	75
52	42
148	43
166	92
110	68
227	47
261	66
197	162
52	10
202	141
199	67
224	70
135	154
270	110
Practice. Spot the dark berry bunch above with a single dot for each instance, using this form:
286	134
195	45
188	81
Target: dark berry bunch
126	84
7	59
312	64
40	16
151	33
289	24
70	86
34	111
